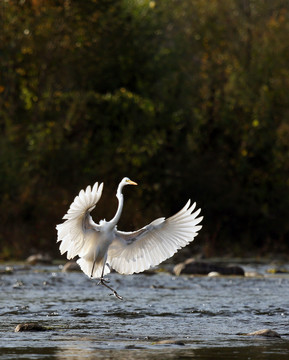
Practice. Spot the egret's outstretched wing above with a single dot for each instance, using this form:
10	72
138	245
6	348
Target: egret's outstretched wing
133	252
77	232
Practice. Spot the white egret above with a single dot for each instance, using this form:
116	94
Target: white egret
101	247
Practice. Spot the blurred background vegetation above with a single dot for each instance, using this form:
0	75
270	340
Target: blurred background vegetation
187	97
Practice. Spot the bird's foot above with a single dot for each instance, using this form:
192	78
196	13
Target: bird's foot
103	282
116	295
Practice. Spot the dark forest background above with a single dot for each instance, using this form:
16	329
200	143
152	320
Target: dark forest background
190	98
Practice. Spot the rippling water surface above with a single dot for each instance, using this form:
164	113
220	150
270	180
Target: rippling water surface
161	316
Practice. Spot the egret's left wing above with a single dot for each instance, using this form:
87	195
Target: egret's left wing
133	252
78	231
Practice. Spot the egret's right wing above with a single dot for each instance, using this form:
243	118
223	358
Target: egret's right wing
78	230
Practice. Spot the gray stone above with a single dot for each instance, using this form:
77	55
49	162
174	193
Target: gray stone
7	271
39	259
191	266
169	342
71	266
30	327
265	332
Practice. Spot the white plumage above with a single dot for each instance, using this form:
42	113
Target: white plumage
101	247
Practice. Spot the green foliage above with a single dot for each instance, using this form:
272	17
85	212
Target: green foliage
189	98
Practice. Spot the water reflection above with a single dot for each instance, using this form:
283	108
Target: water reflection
269	351
126	354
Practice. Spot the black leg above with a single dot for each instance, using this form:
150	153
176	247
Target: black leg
103	282
92	270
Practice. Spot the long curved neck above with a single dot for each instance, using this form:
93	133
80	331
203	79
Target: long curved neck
119	196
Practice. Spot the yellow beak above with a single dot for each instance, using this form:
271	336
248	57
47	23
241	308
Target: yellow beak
132	182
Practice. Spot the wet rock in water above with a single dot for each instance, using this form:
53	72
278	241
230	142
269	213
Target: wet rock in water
133	347
71	266
18	284
149	272
277	271
253	274
169	342
39	259
214	274
30	327
191	266
265	332
7	271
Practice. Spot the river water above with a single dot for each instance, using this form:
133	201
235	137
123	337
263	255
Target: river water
161	316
